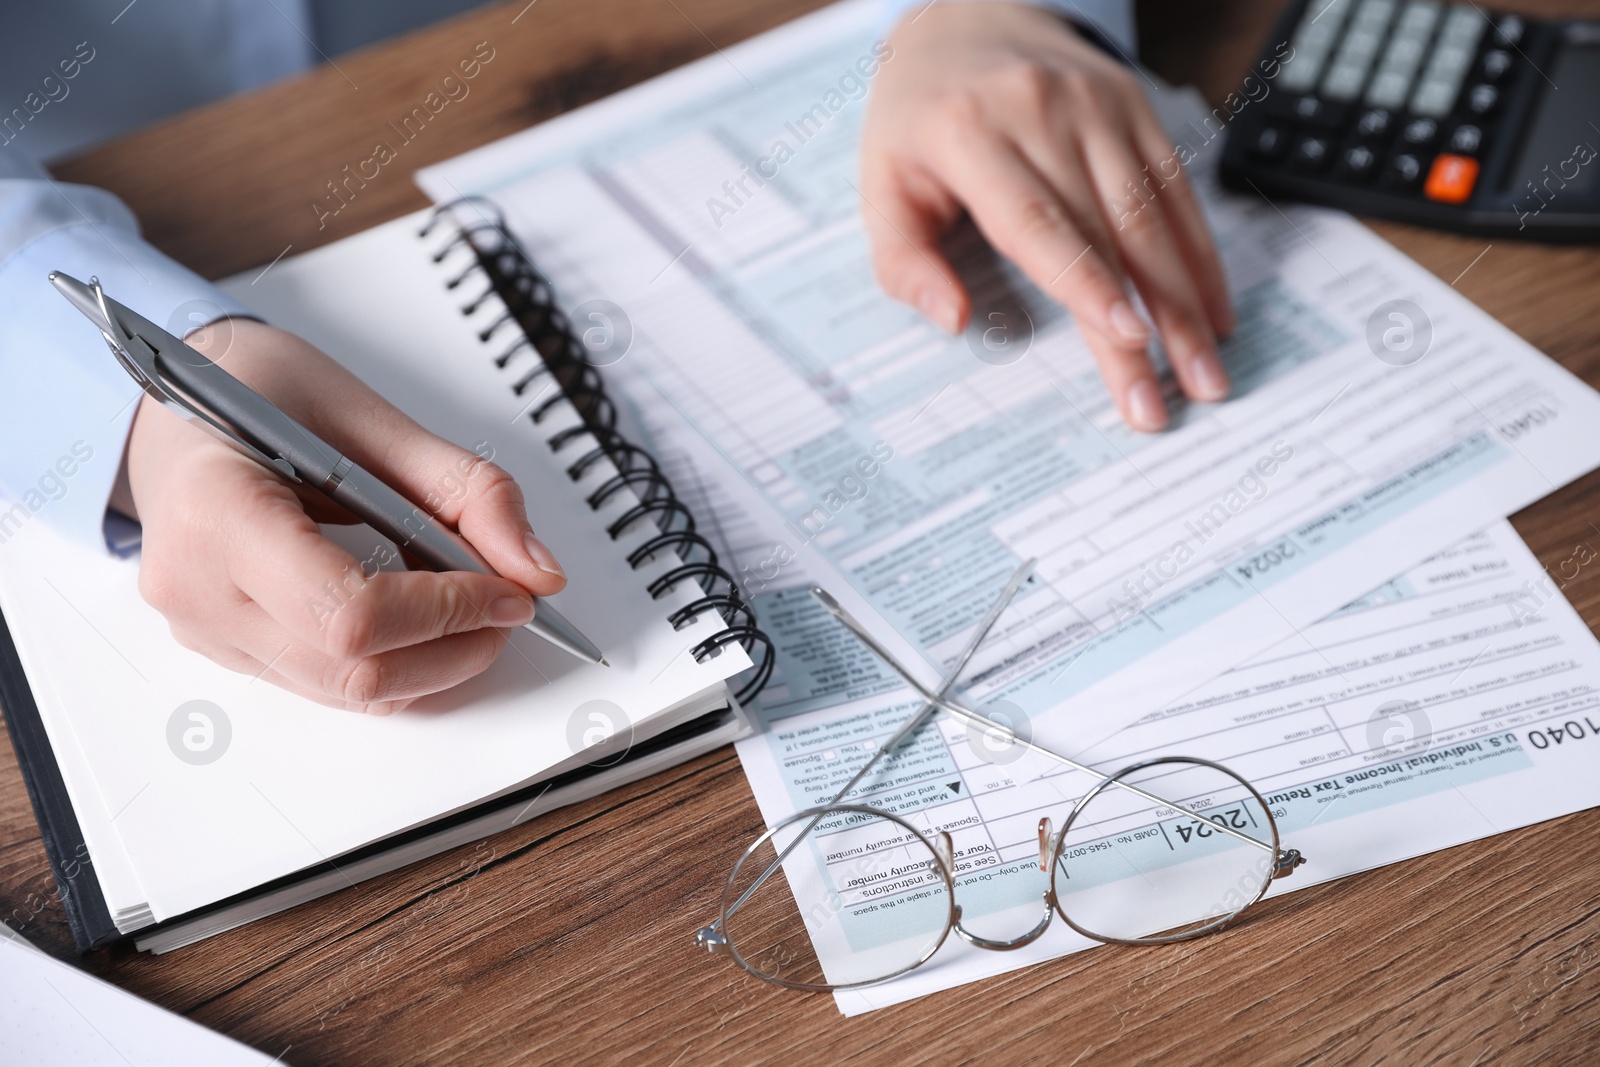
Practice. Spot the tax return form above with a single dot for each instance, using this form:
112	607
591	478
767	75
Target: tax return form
1456	701
703	231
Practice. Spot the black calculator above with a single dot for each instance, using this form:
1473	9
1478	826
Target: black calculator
1439	114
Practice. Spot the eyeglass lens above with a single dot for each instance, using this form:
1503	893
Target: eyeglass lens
878	902
1129	870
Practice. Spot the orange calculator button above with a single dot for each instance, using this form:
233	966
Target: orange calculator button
1451	178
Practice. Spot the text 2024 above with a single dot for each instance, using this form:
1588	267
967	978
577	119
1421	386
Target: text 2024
1234	818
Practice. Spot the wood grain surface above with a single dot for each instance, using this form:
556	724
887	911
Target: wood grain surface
568	939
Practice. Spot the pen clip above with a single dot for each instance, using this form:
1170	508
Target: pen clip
142	361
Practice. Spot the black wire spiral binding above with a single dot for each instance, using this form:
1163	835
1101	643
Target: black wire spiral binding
554	350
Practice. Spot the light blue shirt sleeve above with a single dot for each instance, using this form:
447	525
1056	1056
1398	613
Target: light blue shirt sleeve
66	405
1111	19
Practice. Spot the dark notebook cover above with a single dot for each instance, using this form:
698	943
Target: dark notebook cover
58	824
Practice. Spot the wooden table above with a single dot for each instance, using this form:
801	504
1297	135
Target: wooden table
568	939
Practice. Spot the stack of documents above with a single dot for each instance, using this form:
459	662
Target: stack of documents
1334	533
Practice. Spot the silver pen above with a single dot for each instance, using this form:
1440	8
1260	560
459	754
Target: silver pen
188	383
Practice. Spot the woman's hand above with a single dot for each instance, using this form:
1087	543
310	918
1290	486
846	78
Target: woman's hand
233	557
1003	111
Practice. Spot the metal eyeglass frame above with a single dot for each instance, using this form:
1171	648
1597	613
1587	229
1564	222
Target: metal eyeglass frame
1051	845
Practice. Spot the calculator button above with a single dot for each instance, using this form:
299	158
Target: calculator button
1388	88
1466	139
1361	44
1405	52
1374	123
1435	96
1420	132
1403	171
1508	31
1482	98
1449	61
1495	64
1463	26
1357	162
1451	179
1301	70
1419	17
1315	111
1375	13
1344	80
1271	143
1310	154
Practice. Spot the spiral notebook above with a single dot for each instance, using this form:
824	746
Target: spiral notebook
169	834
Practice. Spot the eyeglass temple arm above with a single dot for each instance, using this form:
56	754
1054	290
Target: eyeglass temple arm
996	609
973	718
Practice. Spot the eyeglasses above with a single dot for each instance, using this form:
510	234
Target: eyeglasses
1164	850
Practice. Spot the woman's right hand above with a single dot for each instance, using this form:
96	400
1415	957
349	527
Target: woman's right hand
233	557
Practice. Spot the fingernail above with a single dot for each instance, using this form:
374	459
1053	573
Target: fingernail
542	557
510	611
1145	409
1126	321
1210	380
940	309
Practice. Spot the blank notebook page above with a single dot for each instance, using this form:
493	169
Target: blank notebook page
300	783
